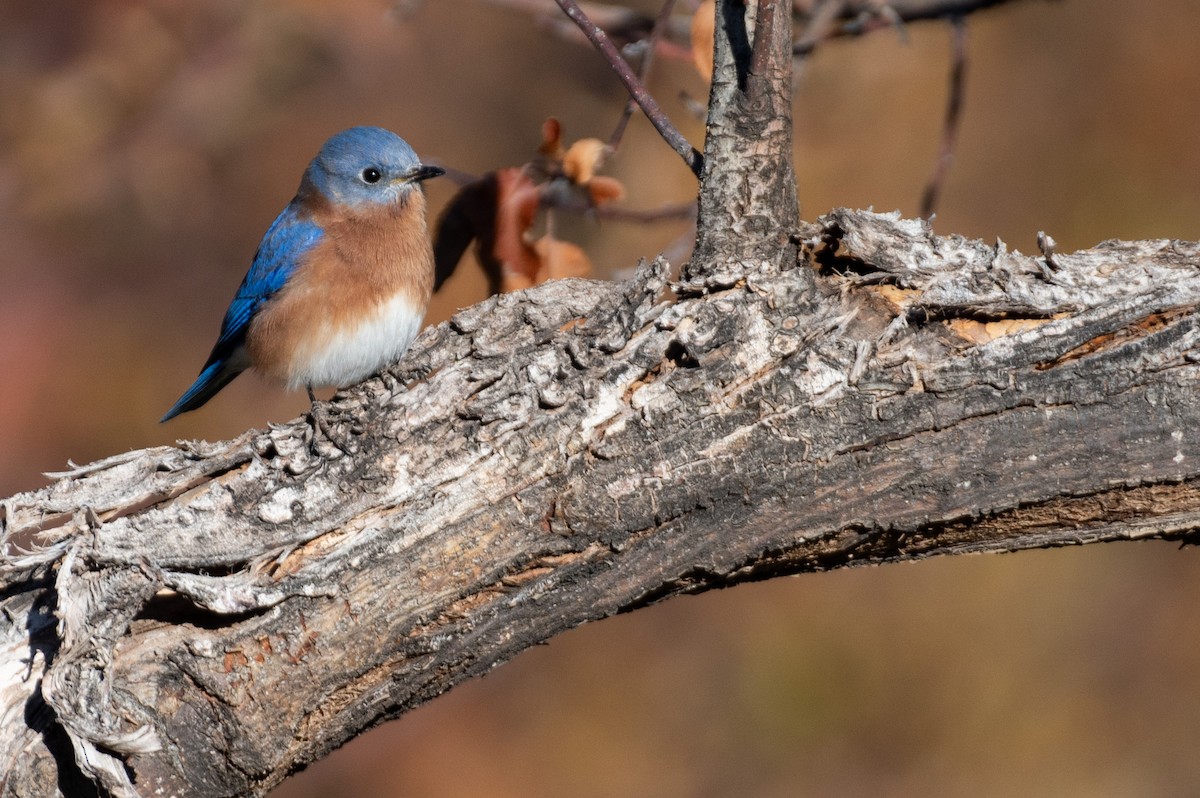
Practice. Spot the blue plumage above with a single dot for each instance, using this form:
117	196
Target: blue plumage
286	241
358	174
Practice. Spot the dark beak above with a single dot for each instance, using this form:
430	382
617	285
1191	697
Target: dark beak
424	172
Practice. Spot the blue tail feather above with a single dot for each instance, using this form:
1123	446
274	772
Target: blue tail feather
216	375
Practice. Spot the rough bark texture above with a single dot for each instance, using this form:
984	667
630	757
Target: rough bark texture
202	620
748	209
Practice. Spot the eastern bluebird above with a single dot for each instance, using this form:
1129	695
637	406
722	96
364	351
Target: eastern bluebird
341	281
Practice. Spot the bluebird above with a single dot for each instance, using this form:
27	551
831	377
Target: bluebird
341	281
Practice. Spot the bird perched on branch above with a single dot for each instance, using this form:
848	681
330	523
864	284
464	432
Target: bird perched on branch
341	281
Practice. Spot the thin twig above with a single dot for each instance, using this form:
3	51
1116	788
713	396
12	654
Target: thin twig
954	104
621	22
820	26
915	10
649	106
863	16
660	24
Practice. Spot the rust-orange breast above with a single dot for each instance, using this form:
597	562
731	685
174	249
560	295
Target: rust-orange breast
356	300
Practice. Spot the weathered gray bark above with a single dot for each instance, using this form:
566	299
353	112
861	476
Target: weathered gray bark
579	450
748	208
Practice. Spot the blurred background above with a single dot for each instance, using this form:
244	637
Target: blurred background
146	146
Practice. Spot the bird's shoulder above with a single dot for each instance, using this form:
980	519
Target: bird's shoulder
282	249
293	233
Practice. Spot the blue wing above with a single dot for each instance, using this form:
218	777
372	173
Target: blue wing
289	237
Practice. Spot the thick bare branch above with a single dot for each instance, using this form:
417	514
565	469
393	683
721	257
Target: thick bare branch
748	207
579	449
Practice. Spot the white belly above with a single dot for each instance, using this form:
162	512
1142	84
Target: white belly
350	353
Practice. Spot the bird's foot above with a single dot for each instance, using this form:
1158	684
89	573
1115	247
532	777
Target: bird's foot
326	439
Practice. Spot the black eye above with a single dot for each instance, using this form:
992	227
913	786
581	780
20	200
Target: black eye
371	175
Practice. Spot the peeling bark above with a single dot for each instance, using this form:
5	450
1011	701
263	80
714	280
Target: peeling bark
577	450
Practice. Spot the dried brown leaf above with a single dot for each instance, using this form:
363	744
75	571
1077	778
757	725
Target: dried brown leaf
561	259
517	205
583	158
603	189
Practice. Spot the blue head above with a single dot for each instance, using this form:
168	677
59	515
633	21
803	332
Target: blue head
367	165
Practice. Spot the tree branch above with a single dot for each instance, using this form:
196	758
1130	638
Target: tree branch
951	121
631	105
636	90
748	207
577	450
859	17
